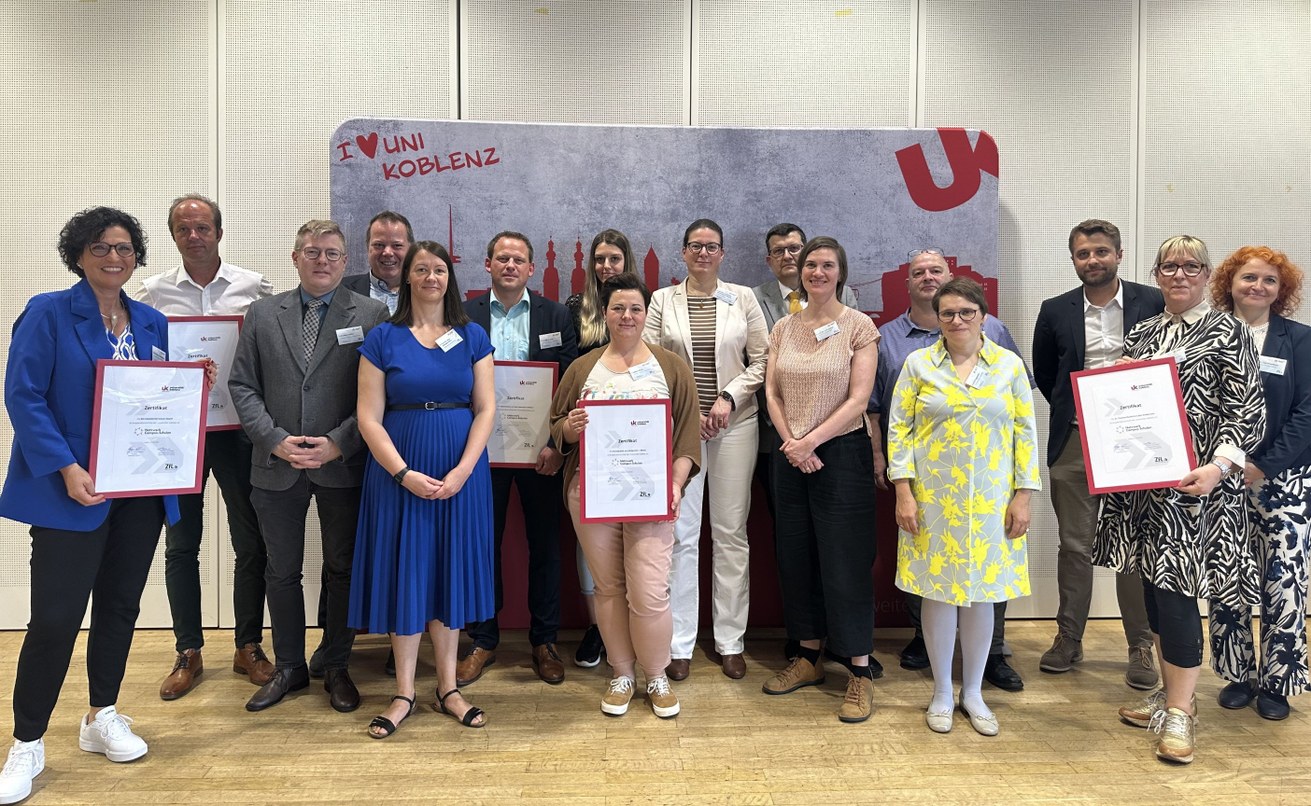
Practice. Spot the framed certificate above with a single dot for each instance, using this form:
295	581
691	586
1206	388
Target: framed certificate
192	338
148	428
1133	426
523	409
626	461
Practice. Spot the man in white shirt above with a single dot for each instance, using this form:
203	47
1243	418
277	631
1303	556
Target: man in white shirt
205	285
389	237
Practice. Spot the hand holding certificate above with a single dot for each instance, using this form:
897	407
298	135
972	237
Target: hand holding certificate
523	407
148	428
196	338
1133	426
626	461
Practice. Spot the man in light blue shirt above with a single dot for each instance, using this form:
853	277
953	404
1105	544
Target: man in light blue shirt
389	238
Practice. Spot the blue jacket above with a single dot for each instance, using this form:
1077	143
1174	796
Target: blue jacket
1287	440
49	393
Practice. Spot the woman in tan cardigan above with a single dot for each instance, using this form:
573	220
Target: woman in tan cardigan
630	560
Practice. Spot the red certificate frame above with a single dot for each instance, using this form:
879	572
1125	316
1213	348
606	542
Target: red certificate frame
666	410
224	367
197	475
555	380
1133	410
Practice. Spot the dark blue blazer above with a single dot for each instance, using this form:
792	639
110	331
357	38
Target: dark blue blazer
544	316
1058	350
1287	440
50	395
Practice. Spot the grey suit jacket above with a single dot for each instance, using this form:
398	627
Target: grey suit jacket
277	394
775	308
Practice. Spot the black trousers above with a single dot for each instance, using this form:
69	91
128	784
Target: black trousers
227	455
282	518
539	497
824	523
1175	619
109	565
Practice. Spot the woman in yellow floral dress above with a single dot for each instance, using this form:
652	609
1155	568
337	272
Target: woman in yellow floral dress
962	443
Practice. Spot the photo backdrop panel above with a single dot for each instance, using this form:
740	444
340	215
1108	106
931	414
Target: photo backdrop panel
880	192
813	64
574	61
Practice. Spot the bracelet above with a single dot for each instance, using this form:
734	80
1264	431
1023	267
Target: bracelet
399	476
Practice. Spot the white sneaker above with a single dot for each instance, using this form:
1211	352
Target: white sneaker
109	734
26	761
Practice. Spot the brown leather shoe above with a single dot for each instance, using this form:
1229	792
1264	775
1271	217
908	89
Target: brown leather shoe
547	663
251	661
471	667
679	669
735	666
186	668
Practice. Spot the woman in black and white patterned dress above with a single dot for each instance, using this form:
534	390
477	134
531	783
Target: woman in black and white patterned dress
1189	541
1261	286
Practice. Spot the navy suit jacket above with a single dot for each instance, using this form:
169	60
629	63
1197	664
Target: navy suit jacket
50	395
1287	440
544	316
1058	350
359	283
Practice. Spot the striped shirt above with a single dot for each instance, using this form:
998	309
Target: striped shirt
701	320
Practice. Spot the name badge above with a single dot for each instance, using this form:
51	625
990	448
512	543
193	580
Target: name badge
547	340
977	377
641	371
448	341
827	331
1274	366
725	296
350	335
157	354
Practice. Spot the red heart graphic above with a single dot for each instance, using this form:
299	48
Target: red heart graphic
369	145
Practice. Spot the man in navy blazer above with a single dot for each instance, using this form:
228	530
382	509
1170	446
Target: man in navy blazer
293	383
388	238
1078	330
524	326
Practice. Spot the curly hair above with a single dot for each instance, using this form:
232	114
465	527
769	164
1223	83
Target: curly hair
1290	279
88	226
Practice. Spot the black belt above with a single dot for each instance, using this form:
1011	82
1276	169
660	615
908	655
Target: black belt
429	406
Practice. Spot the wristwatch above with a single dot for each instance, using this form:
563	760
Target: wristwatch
400	474
1226	466
732	404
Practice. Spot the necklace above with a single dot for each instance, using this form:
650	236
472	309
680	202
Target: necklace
111	318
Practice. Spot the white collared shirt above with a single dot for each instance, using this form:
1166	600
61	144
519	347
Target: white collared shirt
230	293
1103	330
784	291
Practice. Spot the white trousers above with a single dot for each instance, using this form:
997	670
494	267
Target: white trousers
727	464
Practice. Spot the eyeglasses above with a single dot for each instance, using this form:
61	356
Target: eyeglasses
708	248
313	253
101	249
928	250
965	315
1190	269
790	249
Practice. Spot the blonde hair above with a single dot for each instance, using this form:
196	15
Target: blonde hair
1184	243
591	316
317	228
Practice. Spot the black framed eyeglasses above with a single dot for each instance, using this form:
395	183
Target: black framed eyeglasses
101	249
1190	269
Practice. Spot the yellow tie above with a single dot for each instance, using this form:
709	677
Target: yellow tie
794	302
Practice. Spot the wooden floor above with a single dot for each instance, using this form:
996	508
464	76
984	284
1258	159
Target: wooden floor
1060	740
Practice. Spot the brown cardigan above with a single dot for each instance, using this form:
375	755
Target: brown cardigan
682	390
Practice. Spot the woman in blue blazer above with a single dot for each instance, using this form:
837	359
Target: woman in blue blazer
81	543
1261	286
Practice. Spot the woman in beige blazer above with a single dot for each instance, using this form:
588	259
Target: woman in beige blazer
719	329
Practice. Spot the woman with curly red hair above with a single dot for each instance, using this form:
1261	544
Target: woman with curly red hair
1261	286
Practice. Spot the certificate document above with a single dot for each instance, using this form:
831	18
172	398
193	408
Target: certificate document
193	338
1133	426
148	428
523	408
626	461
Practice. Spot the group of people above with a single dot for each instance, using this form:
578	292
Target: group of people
786	382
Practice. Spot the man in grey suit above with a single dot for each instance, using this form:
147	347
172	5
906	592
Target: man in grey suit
293	383
389	237
1077	330
779	298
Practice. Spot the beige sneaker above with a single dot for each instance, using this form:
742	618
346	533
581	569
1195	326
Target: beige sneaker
858	705
617	696
1141	673
798	674
663	700
1140	715
1065	652
1176	730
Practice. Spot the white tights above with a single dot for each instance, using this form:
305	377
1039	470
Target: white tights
940	621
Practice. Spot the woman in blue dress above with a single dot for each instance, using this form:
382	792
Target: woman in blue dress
423	550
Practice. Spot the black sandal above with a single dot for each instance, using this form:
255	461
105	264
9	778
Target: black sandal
386	724
469	716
